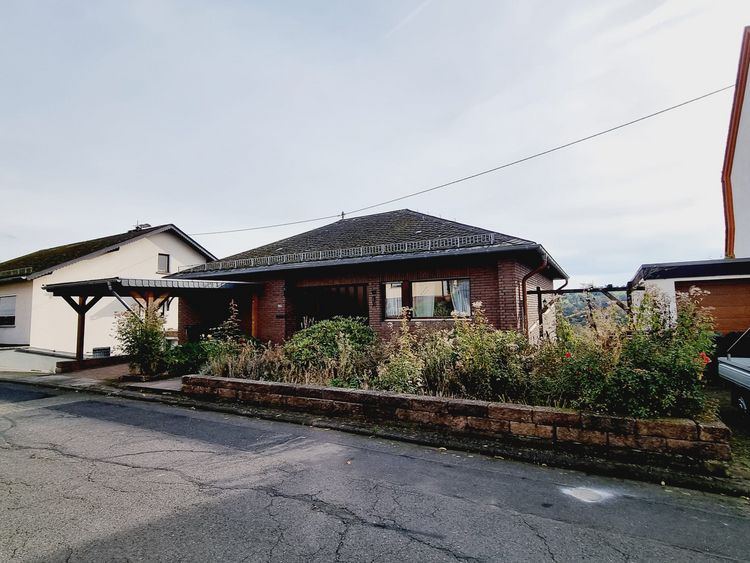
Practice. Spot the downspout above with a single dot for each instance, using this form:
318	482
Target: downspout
525	298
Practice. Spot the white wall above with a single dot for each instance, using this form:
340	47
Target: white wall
19	333
740	178
53	321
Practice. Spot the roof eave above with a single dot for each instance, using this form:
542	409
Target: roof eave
381	259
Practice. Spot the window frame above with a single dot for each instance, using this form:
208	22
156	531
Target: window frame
407	298
158	260
12	324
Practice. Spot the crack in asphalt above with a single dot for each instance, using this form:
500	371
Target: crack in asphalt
540	537
342	514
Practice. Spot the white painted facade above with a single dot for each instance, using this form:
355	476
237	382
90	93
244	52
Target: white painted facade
48	322
740	177
20	332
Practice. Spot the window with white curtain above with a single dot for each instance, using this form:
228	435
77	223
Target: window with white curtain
441	299
394	300
8	310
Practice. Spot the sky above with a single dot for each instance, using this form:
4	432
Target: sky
217	115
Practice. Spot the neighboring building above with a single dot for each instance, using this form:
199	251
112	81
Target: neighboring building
31	316
727	280
371	267
736	173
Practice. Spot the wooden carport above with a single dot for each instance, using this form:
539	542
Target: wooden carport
83	295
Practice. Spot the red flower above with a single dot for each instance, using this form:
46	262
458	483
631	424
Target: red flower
568	355
703	356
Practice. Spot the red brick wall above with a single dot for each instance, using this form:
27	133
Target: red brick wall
497	284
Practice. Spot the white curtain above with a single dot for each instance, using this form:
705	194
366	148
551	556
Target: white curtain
423	294
460	297
393	307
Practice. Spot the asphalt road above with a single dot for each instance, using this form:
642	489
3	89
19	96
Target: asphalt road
87	478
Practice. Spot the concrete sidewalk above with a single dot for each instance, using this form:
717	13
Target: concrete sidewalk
97	379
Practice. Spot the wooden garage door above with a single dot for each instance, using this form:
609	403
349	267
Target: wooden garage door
729	301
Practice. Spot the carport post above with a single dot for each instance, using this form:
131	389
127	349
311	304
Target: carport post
81	308
81	327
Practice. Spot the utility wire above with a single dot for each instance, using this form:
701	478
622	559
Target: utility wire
478	174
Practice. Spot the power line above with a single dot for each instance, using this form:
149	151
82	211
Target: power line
483	172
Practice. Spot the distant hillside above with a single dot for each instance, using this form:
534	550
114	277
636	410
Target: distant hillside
575	306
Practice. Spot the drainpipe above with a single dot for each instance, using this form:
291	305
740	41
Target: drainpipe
525	298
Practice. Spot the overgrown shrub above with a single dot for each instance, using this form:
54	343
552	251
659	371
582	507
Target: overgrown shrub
187	358
489	363
661	367
649	364
314	345
142	337
401	370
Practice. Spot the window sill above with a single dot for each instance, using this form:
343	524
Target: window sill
7	326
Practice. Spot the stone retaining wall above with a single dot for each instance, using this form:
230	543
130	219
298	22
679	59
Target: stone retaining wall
661	441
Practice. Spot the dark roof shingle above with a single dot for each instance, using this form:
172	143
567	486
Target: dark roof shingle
47	258
399	226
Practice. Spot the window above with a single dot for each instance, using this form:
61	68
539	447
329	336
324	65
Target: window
437	299
393	300
440	299
317	303
162	266
8	310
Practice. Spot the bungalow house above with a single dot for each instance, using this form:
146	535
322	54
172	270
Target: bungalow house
30	316
726	280
371	267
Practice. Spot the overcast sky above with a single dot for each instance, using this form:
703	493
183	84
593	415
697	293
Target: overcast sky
220	115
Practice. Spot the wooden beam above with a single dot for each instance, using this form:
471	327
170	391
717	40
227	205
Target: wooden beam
254	316
81	327
94	301
69	301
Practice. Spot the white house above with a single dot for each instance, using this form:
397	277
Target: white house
33	317
735	178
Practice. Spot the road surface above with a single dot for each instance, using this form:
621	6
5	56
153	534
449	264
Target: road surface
89	478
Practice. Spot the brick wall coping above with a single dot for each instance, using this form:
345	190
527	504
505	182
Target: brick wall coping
544	427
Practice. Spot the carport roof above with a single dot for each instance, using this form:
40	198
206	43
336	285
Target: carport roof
175	287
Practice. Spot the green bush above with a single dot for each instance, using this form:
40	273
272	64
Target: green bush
646	365
660	372
188	358
401	370
489	363
315	345
142	337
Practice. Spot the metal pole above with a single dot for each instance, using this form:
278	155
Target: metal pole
539	310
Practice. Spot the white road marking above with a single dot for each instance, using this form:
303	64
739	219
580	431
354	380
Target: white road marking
584	494
21	406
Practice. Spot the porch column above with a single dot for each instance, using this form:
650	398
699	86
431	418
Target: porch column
81	308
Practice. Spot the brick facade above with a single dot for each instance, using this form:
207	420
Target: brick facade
496	282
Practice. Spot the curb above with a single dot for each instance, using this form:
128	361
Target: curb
586	464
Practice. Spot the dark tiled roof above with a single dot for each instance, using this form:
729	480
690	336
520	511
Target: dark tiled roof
51	257
399	226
